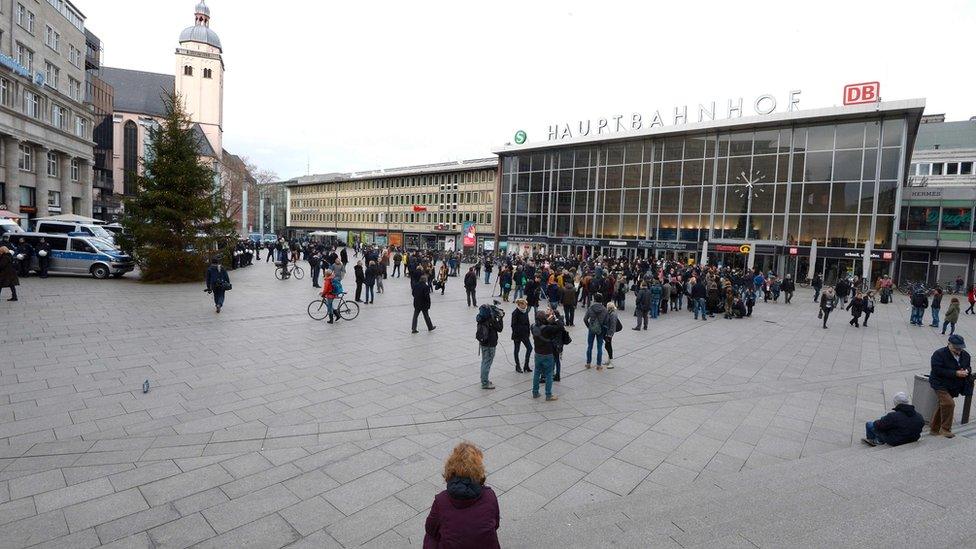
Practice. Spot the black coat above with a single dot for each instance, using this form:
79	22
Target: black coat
360	277
856	307
421	297
8	275
698	291
532	293
900	426
470	281
520	325
494	328
371	273
216	274
943	377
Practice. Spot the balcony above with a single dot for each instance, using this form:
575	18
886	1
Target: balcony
103	179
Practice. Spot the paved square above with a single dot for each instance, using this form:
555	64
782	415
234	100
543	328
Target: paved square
265	428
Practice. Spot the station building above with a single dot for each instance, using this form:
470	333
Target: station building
781	182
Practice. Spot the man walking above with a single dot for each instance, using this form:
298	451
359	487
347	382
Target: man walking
951	376
421	304
396	264
547	328
489	326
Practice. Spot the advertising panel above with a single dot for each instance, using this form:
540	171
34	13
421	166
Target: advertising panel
470	238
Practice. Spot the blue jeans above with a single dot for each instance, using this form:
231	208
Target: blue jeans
328	306
935	316
952	326
590	338
700	308
680	301
655	307
871	434
370	296
917	313
487	356
519	292
487	277
543	367
219	297
816	294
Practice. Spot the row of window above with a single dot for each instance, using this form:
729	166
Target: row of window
188	71
26	162
33	103
935	218
481	218
446	182
52	73
431	199
942	168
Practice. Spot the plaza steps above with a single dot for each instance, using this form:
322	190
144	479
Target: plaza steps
910	496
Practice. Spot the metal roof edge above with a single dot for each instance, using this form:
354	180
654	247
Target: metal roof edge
442	167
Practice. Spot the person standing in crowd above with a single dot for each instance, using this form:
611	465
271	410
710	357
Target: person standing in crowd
971	296
396	264
466	513
842	289
521	330
218	281
380	275
936	306
442	277
43	257
545	332
613	326
656	292
919	303
856	307
569	301
868	307
827	303
595	320
369	278
315	263
886	284
951	316
950	376
788	287
488	266
698	296
489	326
532	290
25	256
817	284
505	282
470	286
8	274
360	280
519	281
642	305
900	426
421	303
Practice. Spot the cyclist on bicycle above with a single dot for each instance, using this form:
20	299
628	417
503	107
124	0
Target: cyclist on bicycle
331	288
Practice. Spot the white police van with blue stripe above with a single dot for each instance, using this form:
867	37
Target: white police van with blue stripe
78	253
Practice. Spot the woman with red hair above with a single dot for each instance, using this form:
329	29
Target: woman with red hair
466	514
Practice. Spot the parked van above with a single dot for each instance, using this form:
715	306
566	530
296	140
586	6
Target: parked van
9	226
78	253
67	227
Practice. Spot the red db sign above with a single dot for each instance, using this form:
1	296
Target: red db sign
865	92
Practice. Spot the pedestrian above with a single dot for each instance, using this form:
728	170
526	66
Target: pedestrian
750	301
360	280
817	284
442	278
950	376
331	288
466	513
532	290
218	282
547	329
421	303
642	305
951	316
380	275
369	279
828	301
788	287
8	274
698	296
397	258
935	306
595	320
971	296
900	426
856	307
488	266
43	257
25	256
315	263
842	289
656	292
521	330
613	326
569	300
505	282
489	326
470	286
919	302
868	307
886	285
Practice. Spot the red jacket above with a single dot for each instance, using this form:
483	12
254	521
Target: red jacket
327	291
972	295
464	522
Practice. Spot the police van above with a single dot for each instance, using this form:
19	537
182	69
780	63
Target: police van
67	227
77	253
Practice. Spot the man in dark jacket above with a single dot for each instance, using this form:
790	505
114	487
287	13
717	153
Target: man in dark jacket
569	301
642	305
489	326
547	328
43	259
919	302
788	287
900	426
951	376
25	256
470	286
360	280
315	262
421	304
520	332
698	295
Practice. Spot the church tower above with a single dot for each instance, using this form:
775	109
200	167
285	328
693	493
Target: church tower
200	77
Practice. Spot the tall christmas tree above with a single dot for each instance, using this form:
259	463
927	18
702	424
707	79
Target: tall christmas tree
175	222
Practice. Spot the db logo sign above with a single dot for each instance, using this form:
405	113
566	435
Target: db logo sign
865	92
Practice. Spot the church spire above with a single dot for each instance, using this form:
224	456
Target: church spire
203	14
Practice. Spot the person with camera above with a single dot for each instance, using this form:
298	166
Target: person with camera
218	282
490	324
546	332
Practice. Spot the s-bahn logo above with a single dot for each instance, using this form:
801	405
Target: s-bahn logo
865	92
520	137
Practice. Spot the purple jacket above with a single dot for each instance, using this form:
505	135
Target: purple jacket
463	516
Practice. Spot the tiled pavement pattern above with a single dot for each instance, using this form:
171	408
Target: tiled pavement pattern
265	428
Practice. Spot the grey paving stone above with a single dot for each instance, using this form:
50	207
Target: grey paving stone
364	491
34	530
70	495
270	531
85	539
104	509
238	512
182	485
144	475
310	484
35	484
311	515
370	522
252	483
17	509
200	501
184	532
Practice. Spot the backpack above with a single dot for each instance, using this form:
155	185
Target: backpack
481	334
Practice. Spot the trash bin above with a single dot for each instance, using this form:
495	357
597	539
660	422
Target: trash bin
923	397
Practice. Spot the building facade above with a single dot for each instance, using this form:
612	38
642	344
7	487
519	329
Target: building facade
45	123
100	95
780	183
436	206
936	237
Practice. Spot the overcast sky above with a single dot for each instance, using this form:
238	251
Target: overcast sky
345	86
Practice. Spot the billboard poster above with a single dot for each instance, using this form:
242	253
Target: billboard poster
396	239
470	240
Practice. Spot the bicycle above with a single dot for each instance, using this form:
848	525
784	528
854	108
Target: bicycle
288	270
911	286
347	310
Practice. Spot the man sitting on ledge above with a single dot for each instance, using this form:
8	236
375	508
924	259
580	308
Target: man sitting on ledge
900	426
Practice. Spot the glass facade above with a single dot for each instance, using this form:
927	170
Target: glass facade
836	183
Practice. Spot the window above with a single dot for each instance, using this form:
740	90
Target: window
52	164
965	168
4	91
58	116
130	157
74	89
79	245
952	168
52	75
28	197
54	199
52	38
208	73
74	55
187	70
25	161
81	127
25	57
32	104
25	18
937	169
75	169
